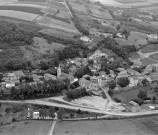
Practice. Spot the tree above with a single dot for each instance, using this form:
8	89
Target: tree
123	82
8	110
1	76
142	95
112	85
138	101
145	82
154	99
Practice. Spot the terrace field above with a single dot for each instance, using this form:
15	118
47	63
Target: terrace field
138	126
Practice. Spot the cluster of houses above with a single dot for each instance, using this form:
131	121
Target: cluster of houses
91	83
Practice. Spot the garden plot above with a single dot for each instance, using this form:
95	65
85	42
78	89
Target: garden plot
18	14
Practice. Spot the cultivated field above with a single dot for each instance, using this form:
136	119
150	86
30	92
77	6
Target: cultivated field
135	38
141	126
130	1
96	11
54	23
154	56
18	14
150	48
151	9
79	7
26	128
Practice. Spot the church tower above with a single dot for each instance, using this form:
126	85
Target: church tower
58	71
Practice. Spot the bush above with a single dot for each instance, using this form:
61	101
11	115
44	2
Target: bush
8	110
123	82
76	93
138	101
142	95
117	100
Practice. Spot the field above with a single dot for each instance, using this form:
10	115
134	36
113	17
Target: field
135	38
78	7
130	1
97	12
132	94
139	126
151	9
39	49
58	24
34	0
26	128
18	14
147	61
150	48
154	56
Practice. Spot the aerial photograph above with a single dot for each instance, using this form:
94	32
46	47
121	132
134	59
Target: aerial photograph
78	67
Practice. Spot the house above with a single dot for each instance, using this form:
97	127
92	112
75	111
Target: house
85	39
152	36
10	85
36	115
98	54
35	78
49	77
88	84
134	81
18	74
120	35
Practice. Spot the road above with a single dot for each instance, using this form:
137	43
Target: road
124	114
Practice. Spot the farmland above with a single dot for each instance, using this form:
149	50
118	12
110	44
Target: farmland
150	48
97	12
130	1
139	126
19	15
127	96
135	38
26	128
154	56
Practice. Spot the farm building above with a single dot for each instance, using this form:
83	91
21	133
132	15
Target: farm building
85	39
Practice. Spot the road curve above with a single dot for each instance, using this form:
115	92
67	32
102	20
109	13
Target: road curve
123	114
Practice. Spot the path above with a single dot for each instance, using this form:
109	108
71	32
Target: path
52	128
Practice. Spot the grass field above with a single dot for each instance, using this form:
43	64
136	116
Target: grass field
154	56
39	49
18	14
132	94
141	126
153	9
26	128
147	61
150	48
